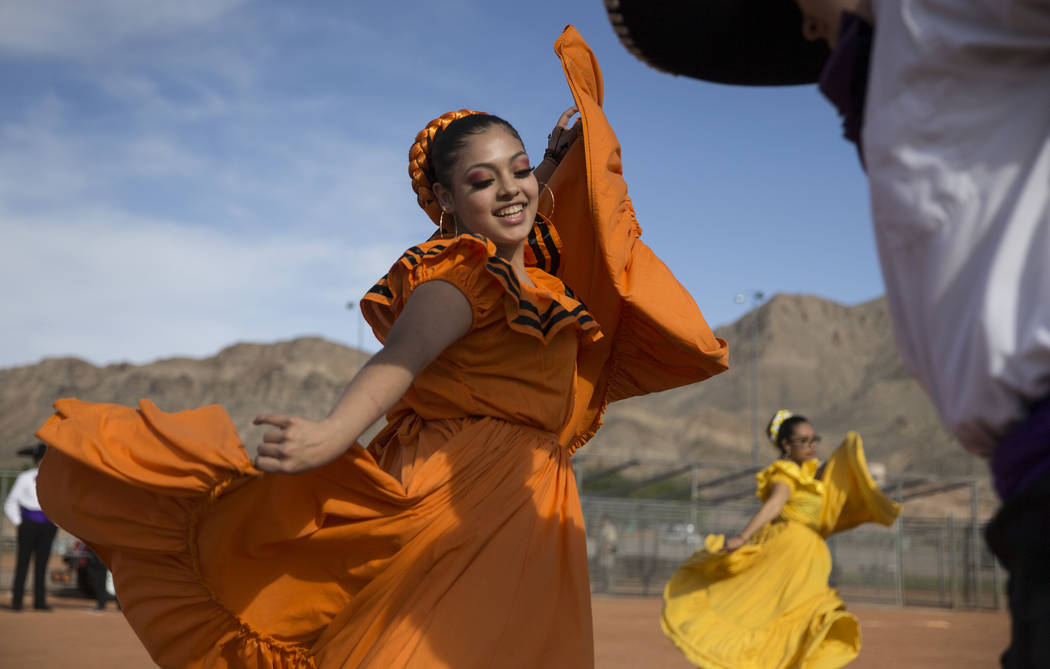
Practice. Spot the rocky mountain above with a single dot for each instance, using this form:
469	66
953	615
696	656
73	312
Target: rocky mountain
303	377
836	364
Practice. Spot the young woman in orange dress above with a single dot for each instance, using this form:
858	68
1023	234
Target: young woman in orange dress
455	538
760	599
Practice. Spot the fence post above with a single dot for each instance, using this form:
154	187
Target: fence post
694	497
952	567
899	541
5	480
944	567
975	540
997	582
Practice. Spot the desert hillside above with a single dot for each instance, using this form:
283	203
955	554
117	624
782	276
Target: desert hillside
835	364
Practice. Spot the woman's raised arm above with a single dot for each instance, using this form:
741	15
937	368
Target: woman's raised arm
770	510
436	315
558	144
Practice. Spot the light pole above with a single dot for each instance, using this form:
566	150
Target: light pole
755	296
360	319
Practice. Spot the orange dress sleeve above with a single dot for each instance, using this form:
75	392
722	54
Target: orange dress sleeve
655	336
460	261
489	283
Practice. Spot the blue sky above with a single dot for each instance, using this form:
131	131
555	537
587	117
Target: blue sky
177	177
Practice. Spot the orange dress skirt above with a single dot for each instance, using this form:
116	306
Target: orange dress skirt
455	539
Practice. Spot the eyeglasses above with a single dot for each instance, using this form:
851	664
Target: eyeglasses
814	440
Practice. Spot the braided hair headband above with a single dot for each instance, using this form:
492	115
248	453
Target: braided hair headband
774	425
421	169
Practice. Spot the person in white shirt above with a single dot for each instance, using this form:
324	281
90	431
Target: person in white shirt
35	533
609	540
948	102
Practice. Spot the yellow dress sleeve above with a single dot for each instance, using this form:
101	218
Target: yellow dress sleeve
789	473
655	336
851	496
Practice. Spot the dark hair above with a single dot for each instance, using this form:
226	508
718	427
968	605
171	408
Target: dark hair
787	429
447	143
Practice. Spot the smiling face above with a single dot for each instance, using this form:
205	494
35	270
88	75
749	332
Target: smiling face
492	190
801	444
821	18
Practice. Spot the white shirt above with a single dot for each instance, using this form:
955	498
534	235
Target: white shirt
23	493
957	145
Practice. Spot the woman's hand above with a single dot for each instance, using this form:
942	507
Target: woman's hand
733	543
296	445
562	137
558	144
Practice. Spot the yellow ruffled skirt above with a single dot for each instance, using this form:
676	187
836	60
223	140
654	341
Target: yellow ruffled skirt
764	606
768	604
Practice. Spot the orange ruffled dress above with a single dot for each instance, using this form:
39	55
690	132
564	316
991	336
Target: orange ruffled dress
767	605
456	538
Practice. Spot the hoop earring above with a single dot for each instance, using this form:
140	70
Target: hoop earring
548	188
441	223
455	225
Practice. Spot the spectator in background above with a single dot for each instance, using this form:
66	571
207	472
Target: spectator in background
949	106
608	538
35	533
101	580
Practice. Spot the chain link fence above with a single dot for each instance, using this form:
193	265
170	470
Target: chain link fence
917	562
941	562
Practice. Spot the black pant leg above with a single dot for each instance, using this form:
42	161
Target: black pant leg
97	570
1019	535
24	552
42	541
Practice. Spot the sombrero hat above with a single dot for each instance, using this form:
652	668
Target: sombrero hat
35	451
746	42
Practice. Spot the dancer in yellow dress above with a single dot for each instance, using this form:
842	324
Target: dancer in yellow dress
760	599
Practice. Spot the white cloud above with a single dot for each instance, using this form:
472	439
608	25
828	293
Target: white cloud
106	287
159	156
63	27
38	162
142	95
46	161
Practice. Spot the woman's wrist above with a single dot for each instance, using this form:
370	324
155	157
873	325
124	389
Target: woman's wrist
337	431
550	156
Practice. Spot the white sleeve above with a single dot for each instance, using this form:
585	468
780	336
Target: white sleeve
957	143
11	510
1030	18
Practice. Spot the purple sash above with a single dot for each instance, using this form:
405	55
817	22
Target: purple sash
34	516
1024	455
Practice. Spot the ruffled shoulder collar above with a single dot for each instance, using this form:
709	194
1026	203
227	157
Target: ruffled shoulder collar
541	310
543	247
802	476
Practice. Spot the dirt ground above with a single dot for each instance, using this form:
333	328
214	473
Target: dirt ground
627	636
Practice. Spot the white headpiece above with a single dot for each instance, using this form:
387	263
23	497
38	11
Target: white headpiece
774	425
